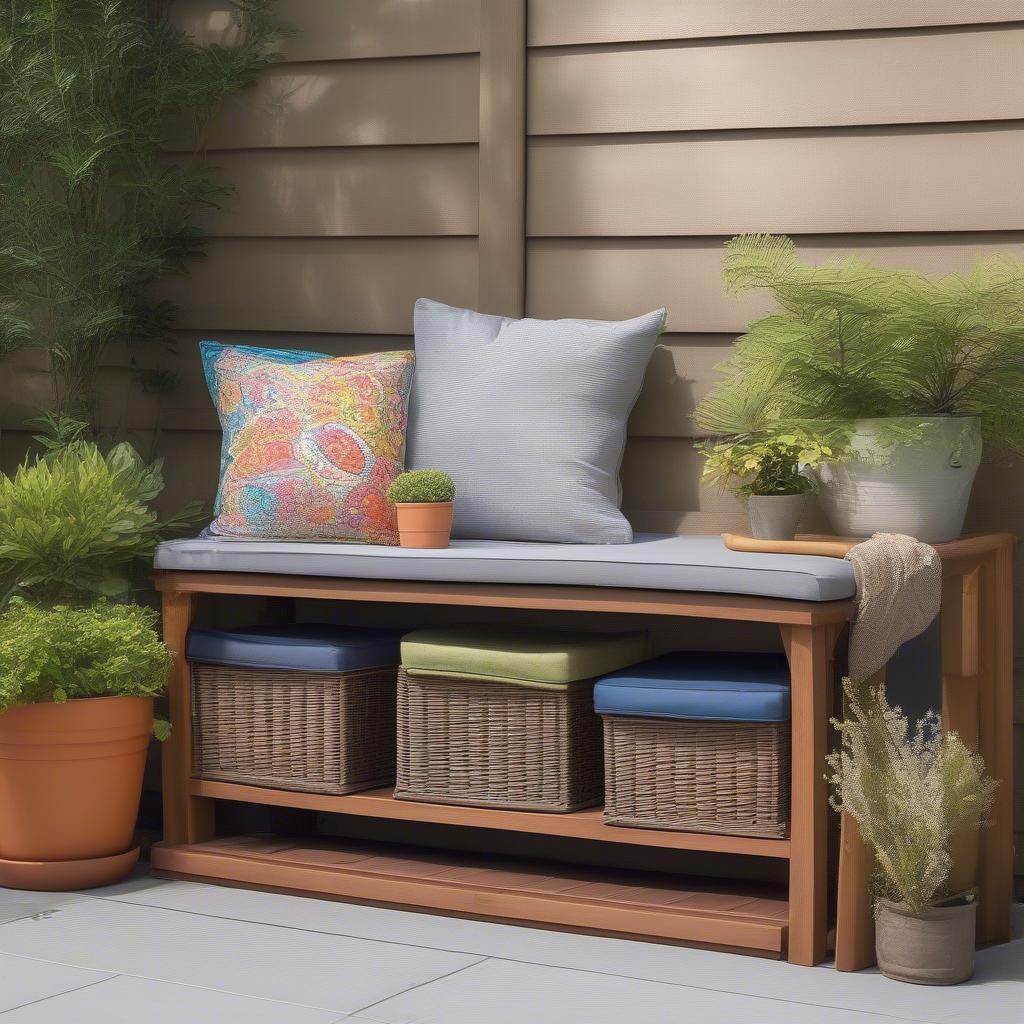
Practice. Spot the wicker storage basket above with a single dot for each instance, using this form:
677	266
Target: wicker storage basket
303	731
486	744
725	777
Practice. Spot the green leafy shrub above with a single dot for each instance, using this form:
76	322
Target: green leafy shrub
75	523
911	794
425	485
60	653
767	465
853	341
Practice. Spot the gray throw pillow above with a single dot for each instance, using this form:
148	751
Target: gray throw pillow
529	418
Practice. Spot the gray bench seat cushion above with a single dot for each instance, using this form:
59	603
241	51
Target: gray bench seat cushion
651	562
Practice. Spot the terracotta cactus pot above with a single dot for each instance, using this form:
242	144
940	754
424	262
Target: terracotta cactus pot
424	524
936	949
70	781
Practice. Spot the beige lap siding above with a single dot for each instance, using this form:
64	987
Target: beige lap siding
555	22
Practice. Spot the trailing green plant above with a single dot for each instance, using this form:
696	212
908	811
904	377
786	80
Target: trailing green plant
851	341
910	792
92	94
767	465
75	524
422	485
62	653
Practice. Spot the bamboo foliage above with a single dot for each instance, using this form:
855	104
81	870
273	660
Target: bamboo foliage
93	214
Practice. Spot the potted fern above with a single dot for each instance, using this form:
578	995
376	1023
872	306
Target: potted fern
79	665
771	474
912	793
914	370
424	500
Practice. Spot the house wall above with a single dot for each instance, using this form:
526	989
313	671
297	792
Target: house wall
651	132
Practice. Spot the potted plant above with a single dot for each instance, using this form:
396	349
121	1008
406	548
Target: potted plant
76	714
912	793
770	473
915	371
424	501
78	672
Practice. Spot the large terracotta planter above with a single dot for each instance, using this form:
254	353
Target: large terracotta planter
937	949
424	524
70	781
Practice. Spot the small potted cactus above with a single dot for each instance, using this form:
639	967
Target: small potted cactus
423	500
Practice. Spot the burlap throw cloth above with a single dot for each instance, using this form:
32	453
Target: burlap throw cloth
899	590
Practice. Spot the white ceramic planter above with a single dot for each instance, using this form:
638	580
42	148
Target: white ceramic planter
775	516
920	489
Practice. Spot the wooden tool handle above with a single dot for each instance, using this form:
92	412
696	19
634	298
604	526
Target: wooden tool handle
829	547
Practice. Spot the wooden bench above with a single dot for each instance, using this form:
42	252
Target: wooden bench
977	639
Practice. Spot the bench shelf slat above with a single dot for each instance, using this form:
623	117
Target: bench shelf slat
737	916
588	824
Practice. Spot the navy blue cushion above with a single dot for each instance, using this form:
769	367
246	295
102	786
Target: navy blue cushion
303	648
736	687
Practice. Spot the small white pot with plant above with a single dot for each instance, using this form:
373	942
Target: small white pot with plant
771	474
912	793
915	371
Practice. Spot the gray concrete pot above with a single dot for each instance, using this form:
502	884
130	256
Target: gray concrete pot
937	949
776	516
920	489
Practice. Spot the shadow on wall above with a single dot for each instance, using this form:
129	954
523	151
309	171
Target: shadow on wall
676	396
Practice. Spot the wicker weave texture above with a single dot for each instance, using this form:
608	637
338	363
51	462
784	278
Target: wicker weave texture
308	732
726	778
462	741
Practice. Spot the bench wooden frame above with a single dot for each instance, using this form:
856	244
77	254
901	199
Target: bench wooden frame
977	640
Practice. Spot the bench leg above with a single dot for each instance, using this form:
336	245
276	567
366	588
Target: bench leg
962	670
187	819
855	917
809	649
995	744
977	704
855	911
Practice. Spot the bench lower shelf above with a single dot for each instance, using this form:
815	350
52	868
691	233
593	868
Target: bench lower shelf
588	824
728	915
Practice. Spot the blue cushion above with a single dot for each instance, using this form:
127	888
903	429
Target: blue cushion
302	648
736	687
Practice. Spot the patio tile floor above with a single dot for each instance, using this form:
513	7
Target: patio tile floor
184	953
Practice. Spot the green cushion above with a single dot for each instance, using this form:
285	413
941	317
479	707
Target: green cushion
533	658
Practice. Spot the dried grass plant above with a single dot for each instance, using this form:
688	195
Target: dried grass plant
911	792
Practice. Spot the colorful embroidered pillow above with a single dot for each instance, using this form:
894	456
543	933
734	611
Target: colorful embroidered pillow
310	443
